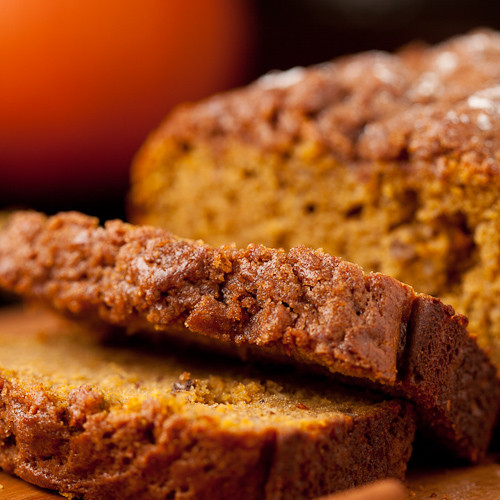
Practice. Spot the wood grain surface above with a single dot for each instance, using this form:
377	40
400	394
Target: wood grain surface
16	489
481	482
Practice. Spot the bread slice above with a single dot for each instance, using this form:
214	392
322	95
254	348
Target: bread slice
387	160
98	421
303	305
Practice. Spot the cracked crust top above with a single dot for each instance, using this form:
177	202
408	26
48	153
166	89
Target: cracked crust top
421	103
304	302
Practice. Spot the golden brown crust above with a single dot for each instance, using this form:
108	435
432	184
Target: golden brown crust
78	440
422	103
303	302
306	304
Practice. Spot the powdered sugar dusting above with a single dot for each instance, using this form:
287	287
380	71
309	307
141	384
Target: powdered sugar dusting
159	274
483	121
428	85
141	266
282	79
452	117
486	99
81	238
478	42
147	271
384	73
446	62
478	102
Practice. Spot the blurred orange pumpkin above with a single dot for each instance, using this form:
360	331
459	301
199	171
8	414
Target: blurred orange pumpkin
82	83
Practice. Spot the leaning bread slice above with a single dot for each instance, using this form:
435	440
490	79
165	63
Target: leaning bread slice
304	304
388	160
98	421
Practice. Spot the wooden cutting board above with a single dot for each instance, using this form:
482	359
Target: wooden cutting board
481	482
13	488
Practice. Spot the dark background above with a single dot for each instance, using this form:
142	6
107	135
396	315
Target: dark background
303	32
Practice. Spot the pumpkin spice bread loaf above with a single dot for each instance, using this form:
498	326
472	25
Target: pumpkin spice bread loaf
389	161
303	305
102	422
